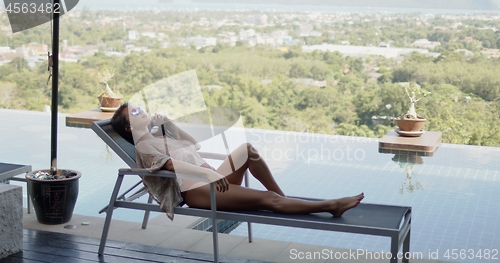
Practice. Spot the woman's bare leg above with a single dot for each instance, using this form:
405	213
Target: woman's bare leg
246	157
239	198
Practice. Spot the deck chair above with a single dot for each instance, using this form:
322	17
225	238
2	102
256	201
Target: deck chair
369	219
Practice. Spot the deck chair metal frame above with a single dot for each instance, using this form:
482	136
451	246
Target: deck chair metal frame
370	219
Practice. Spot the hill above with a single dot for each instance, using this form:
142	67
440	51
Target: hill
425	4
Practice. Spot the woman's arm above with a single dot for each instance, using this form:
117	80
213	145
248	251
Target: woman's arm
186	168
188	137
184	135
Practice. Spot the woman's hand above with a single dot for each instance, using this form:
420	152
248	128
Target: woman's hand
177	132
159	119
197	146
222	185
181	167
220	181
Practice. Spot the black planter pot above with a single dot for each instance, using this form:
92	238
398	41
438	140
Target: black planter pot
54	200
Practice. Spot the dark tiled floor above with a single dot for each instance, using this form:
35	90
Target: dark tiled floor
41	246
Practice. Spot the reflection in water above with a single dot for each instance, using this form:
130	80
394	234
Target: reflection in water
407	161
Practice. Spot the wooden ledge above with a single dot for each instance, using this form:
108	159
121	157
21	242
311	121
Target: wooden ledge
86	118
426	143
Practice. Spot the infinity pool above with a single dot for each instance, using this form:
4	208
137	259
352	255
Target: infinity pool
454	194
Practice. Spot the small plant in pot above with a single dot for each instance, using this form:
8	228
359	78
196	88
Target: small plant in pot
109	100
53	195
411	124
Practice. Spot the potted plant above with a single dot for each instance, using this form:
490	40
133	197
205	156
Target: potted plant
411	124
53	195
109	100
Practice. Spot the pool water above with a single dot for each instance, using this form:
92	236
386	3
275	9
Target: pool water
454	193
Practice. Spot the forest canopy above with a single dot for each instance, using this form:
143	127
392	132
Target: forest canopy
464	104
271	87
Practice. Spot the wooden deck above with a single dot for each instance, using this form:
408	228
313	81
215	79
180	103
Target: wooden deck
41	246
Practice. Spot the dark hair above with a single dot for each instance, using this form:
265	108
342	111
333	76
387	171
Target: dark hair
120	123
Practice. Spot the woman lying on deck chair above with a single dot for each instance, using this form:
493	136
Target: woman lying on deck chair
178	152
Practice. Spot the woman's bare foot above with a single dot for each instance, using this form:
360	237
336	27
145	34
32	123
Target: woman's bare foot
346	203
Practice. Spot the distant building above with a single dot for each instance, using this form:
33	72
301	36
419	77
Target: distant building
315	34
142	49
204	22
218	87
310	82
257	19
36	49
425	43
22	51
494	29
64	57
229	38
133	35
245	34
280	33
304	33
468	39
290	41
79	51
262	19
6	29
408	84
373	76
266	81
7	57
305	30
161	36
5	50
200	42
465	52
149	34
491	52
250	42
456	25
384	44
270	41
362	51
441	28
115	54
129	46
